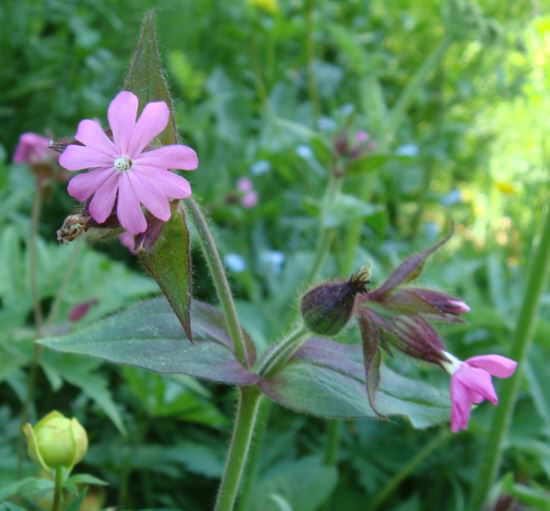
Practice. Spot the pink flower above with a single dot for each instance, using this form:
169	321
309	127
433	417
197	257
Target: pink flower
361	136
249	196
244	184
471	384
122	174
31	148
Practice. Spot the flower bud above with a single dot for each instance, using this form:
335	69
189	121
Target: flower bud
56	441
327	308
416	300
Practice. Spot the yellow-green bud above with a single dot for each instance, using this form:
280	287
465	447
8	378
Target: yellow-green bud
56	441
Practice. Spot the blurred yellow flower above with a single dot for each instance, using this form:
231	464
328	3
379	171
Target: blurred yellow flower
271	6
507	188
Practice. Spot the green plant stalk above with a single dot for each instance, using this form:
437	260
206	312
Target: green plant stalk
334	433
219	277
310	56
243	430
58	489
326	235
283	352
523	335
380	497
251	475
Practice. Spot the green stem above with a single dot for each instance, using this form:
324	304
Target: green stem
523	335
243	429
283	352
57	492
408	468
326	235
219	277
310	55
334	433
251	475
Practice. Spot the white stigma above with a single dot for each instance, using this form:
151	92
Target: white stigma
123	163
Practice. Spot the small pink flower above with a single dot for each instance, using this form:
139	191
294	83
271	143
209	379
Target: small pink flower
471	384
244	184
122	174
361	136
31	148
80	310
249	200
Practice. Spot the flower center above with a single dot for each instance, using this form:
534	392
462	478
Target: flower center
123	163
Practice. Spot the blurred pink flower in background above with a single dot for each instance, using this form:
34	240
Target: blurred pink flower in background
32	148
471	384
249	196
80	310
122	174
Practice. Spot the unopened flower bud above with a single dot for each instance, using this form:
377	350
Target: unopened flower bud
56	441
417	300
327	308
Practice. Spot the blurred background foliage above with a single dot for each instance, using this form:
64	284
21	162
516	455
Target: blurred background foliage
262	90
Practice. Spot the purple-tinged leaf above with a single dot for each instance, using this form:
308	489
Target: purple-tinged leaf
327	379
149	335
408	270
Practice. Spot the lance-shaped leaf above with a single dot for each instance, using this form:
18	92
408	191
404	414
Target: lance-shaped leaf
408	270
169	261
149	335
327	379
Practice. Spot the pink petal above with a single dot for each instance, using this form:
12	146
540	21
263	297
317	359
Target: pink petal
150	196
91	134
151	123
460	406
498	366
477	380
129	241
128	210
84	185
78	157
101	206
122	119
175	156
169	183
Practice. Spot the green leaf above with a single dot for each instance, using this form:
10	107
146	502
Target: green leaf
145	76
88	479
148	335
169	263
346	208
327	379
303	485
535	371
83	373
372	162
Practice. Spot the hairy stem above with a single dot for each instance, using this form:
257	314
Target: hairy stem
523	335
251	475
219	277
243	429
